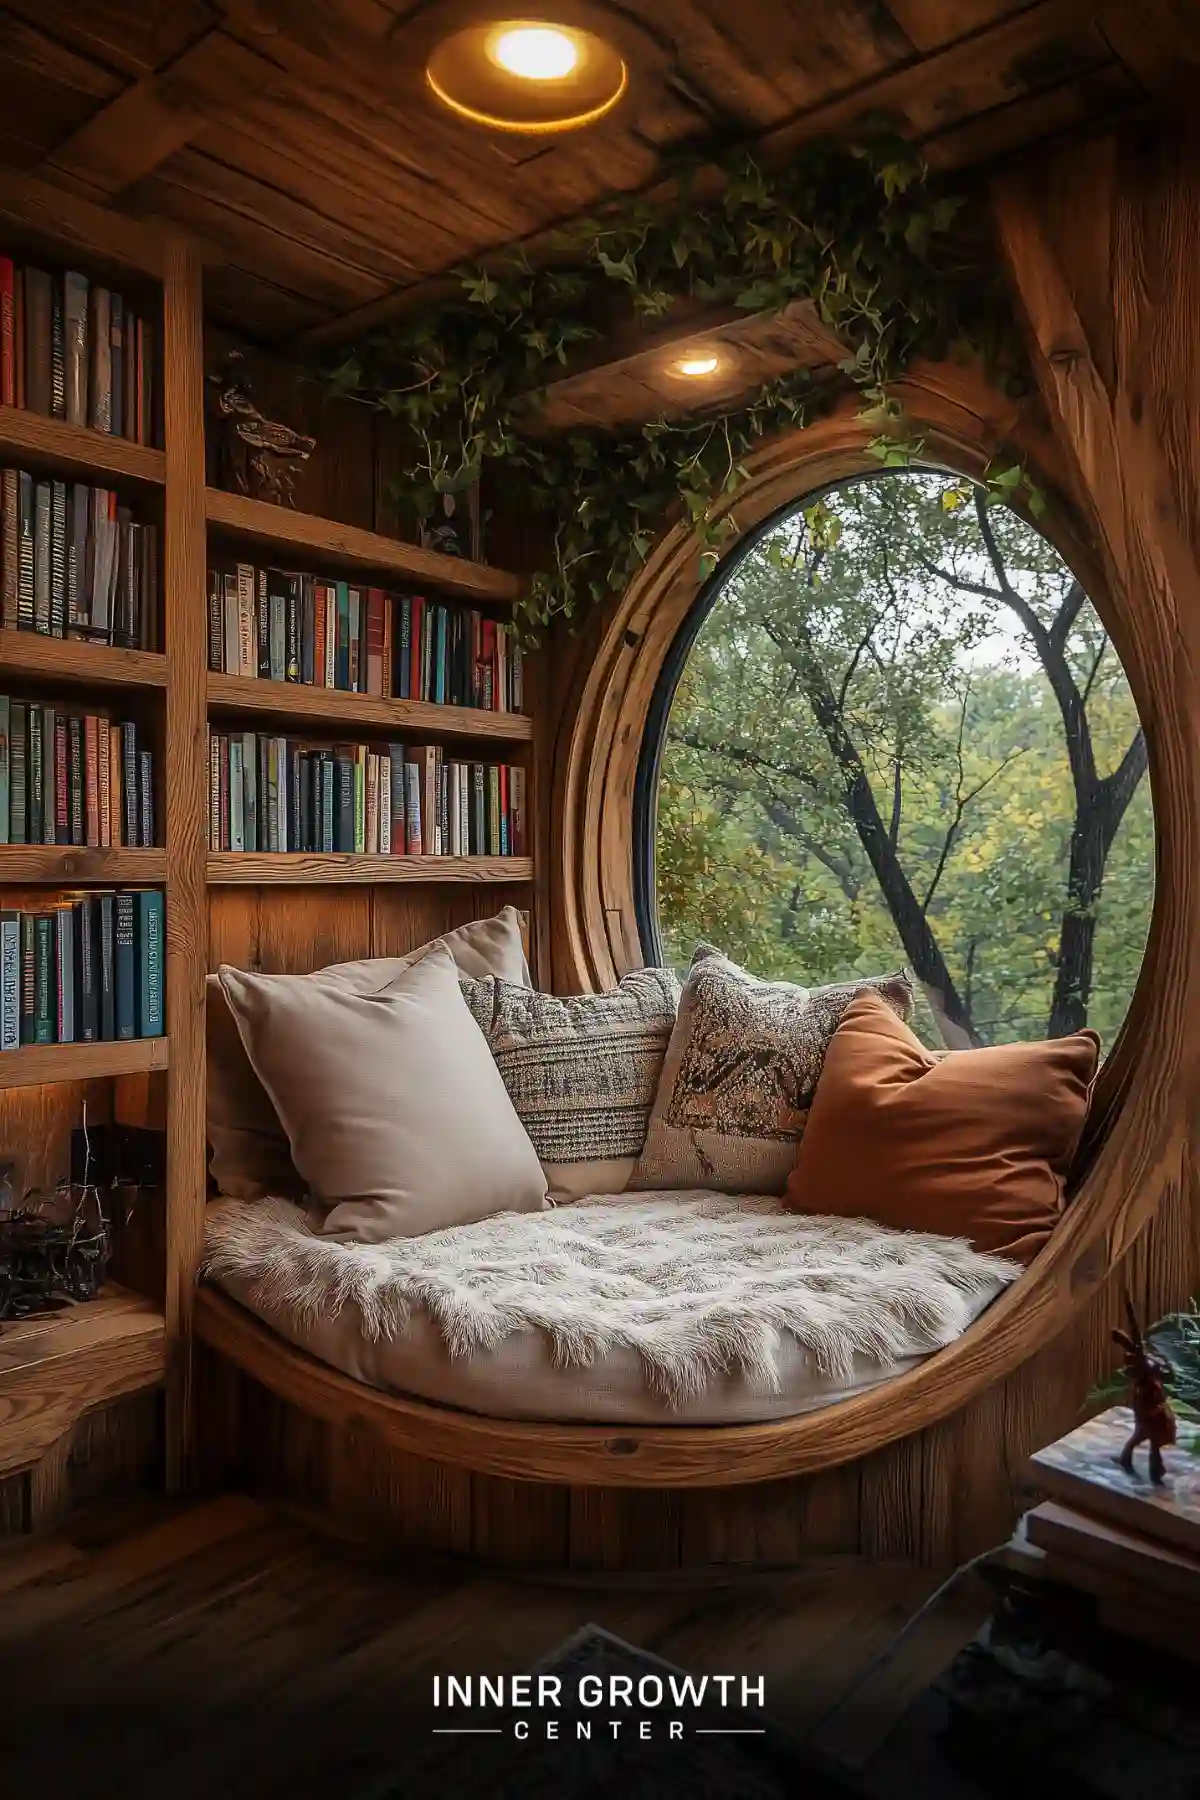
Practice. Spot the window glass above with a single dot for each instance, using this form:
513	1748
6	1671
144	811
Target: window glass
901	736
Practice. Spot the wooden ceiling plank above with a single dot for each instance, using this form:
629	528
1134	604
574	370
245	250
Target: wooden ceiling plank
157	116
46	58
134	39
227	183
1158	40
820	50
1103	94
931	24
78	224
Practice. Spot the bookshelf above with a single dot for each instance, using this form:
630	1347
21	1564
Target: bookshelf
58	1367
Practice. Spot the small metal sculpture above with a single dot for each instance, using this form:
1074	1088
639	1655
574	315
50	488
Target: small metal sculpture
1153	1420
54	1249
255	455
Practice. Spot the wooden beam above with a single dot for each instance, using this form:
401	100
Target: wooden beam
154	118
77	224
1157	40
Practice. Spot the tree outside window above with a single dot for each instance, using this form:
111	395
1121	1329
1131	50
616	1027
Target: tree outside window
903	736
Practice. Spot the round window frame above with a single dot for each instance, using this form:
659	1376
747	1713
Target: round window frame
1135	1142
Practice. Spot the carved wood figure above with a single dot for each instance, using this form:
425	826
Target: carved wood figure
256	456
1153	1420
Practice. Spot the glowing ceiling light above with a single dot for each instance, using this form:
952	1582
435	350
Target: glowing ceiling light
535	52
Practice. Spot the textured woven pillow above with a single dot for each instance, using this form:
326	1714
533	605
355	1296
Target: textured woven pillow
250	1155
581	1072
739	1075
397	1119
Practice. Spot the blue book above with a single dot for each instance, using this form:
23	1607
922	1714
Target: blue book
404	658
108	968
125	964
150	919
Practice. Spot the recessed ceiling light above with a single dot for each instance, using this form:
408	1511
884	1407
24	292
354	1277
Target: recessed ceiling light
534	52
697	365
527	75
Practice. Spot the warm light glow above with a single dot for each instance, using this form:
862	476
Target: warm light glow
697	365
535	52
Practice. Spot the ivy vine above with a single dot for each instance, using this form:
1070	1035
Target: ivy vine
893	261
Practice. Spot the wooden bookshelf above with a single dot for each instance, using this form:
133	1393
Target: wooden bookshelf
73	865
74	663
33	1065
56	1366
292	702
230	868
282	532
75	450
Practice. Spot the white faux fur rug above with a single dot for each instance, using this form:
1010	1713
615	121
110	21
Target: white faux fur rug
694	1282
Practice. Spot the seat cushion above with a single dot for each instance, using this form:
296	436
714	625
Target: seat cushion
976	1143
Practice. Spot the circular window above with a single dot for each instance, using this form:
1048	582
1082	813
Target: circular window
894	731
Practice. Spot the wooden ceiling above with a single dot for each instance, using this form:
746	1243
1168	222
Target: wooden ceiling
296	139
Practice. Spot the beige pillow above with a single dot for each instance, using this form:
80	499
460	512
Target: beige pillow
396	1115
739	1076
582	1072
250	1155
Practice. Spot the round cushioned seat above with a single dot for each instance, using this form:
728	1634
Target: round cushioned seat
520	1377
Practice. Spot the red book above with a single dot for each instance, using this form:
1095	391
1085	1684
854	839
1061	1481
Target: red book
374	599
488	697
389	651
319	634
62	785
19	337
91	779
415	685
8	340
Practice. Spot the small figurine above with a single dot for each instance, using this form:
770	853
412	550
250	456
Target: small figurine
1153	1420
256	456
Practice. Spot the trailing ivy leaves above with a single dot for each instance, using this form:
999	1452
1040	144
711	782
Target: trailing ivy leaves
861	231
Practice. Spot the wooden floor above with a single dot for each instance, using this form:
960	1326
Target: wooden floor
228	1648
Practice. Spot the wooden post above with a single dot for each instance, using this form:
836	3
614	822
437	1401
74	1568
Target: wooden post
186	763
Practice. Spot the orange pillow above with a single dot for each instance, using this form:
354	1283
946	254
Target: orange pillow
973	1144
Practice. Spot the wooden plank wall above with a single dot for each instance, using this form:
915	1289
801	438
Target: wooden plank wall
1125	223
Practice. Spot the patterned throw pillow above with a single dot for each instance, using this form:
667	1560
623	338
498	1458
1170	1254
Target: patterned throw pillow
739	1076
581	1072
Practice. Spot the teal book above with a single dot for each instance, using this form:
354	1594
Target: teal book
341	660
64	975
45	1011
150	947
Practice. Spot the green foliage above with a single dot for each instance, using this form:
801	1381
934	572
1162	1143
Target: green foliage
864	232
934	674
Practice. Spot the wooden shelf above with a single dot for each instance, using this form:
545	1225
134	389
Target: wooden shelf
290	700
57	1366
237	867
70	661
74	865
75	450
34	1064
279	529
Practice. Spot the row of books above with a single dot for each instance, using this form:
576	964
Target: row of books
73	778
73	350
75	563
273	794
275	625
87	970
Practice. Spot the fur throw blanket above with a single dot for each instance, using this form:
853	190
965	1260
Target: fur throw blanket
694	1282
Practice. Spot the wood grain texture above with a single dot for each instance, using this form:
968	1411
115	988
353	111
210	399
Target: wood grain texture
72	866
232	867
35	1064
186	787
292	701
72	664
58	1366
76	227
345	546
75	450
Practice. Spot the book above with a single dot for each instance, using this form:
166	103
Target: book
1107	1558
18	756
116	339
44	1007
125	965
10	980
41	556
100	402
150	937
1082	1471
247	630
25	557
64	974
28	995
10	554
87	971
75	310
37	307
58	351
107	965
5	765
8	339
58	559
